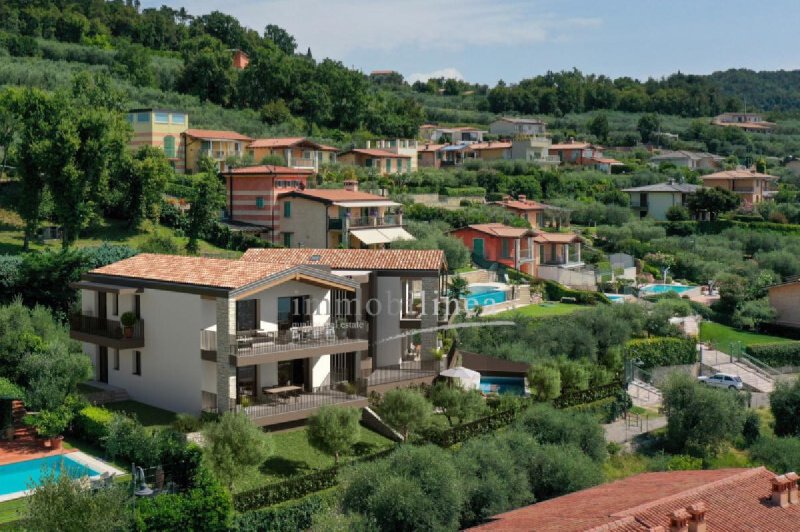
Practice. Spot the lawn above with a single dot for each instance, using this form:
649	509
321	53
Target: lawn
292	456
724	336
10	512
542	310
149	416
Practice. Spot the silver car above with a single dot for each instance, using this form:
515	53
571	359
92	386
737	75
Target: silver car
723	380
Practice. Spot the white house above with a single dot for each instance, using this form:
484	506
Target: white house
511	126
690	159
655	200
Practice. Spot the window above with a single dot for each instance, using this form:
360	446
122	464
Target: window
169	146
162	118
143	117
260	202
287	240
388	165
115	304
504	244
137	305
368	163
178	118
287	209
205	145
247	315
116	359
137	362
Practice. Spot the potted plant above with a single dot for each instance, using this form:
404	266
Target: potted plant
128	320
341	328
50	425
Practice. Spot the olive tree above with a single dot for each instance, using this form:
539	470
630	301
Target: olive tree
405	410
234	444
334	430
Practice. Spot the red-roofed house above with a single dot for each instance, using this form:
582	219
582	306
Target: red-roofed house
429	156
219	145
240	59
297	152
511	246
753	187
383	161
727	500
538	214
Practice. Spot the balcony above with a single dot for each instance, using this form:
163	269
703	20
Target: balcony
639	205
105	332
376	221
335	224
300	162
260	347
408	372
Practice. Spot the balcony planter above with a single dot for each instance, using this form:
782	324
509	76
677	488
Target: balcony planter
128	320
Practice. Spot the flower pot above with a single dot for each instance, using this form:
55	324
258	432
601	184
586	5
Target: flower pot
56	443
128	332
47	443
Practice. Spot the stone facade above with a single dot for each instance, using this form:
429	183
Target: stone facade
226	327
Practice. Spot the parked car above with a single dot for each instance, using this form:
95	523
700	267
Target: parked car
723	380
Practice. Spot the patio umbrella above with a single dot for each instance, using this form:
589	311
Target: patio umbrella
470	379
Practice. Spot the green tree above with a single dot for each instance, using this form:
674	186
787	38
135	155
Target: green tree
127	439
207	198
457	288
405	410
9	124
334	430
751	314
545	382
234	444
648	124
133	61
598	126
777	454
59	503
281	38
549	425
275	112
457	403
784	402
712	200
145	176
208	71
678	213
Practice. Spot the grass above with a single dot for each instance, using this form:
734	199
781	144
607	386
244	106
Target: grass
624	465
292	456
149	416
542	310
10	512
724	336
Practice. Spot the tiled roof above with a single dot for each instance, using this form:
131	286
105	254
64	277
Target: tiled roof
269	169
353	259
571	146
288	142
515	120
336	194
738	174
527	205
377	153
735	499
685	188
556	238
685	154
605	160
430	147
490	145
220	273
214	134
501	230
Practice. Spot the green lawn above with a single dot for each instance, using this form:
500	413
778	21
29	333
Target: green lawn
292	455
724	336
543	310
149	416
10	512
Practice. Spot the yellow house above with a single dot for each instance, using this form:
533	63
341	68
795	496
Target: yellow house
219	145
297	152
385	162
161	128
785	299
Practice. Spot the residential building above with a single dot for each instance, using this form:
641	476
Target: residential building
753	187
456	135
558	258
508	127
161	128
538	214
785	299
574	152
730	499
496	242
383	161
426	131
752	122
454	154
330	218
398	147
273	335
252	194
534	150
428	155
219	145
655	200
693	160
491	150
240	59
602	164
297	152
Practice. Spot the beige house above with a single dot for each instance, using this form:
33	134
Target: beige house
753	187
297	152
161	128
512	127
534	150
693	160
655	200
219	145
402	147
383	161
785	299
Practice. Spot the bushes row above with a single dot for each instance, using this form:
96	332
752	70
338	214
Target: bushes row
465	191
283	518
782	354
662	351
92	423
466	431
607	409
581	397
555	291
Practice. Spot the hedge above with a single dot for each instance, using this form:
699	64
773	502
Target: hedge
556	291
783	354
580	397
607	409
662	351
466	431
91	423
286	518
465	191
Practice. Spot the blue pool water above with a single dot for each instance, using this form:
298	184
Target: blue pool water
615	298
18	476
510	385
664	288
484	295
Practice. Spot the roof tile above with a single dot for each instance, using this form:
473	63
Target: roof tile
352	259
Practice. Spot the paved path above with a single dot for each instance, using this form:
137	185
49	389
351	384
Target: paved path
724	363
622	431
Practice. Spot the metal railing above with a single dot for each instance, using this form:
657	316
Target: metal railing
301	162
105	327
376	221
335	224
404	371
257	342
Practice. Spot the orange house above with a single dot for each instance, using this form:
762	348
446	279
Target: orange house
385	162
511	246
298	152
538	214
753	187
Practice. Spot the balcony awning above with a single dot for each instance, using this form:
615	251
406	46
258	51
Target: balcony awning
100	287
366	203
383	235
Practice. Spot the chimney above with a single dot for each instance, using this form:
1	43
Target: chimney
780	491
679	521
794	496
369	144
351	185
522	198
697	522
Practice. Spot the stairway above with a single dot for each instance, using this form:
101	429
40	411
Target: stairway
111	395
643	393
22	432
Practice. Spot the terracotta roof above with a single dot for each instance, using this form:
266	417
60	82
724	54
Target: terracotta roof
738	174
288	142
336	194
526	205
735	500
605	160
221	273
500	230
668	155
353	259
571	146
377	153
557	238
430	147
269	169
490	145
213	134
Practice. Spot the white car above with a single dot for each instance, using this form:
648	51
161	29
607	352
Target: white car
723	380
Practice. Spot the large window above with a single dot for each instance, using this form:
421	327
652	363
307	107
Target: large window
169	146
505	245
162	118
247	315
388	165
293	311
178	118
287	209
143	117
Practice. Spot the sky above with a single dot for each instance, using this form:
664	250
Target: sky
484	41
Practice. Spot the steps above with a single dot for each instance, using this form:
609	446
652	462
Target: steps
22	432
643	393
107	396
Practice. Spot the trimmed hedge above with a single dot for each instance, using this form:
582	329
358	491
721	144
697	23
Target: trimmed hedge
607	409
581	397
466	431
668	351
783	354
465	191
286	518
555	292
91	423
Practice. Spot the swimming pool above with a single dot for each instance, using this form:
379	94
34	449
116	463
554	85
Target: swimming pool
19	476
615	298
652	289
484	295
509	385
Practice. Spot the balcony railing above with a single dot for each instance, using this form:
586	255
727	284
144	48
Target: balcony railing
258	342
405	371
300	162
222	154
376	221
639	204
335	224
109	333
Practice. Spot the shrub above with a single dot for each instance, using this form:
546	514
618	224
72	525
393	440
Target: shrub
777	454
405	410
465	191
160	243
784	402
751	431
666	351
234	444
92	422
186	423
783	354
545	382
457	403
558	469
678	213
334	430
555	292
548	425
460	433
127	439
285	518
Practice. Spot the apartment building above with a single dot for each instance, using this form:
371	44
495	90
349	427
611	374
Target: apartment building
274	335
456	135
398	147
509	127
161	128
753	187
534	150
297	152
216	144
383	161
